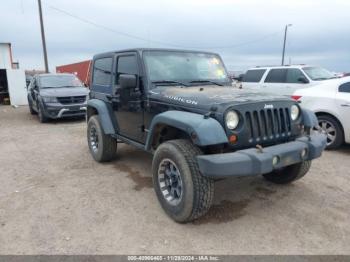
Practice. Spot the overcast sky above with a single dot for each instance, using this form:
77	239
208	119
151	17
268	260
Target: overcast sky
245	32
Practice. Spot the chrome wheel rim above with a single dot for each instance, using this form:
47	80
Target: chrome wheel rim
170	182
93	139
329	130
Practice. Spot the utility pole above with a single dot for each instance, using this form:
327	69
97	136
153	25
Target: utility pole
43	37
284	42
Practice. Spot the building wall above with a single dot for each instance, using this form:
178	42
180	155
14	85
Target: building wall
5	56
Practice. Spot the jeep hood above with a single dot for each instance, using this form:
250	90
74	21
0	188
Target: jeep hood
204	97
64	91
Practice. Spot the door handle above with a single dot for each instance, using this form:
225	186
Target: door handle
346	105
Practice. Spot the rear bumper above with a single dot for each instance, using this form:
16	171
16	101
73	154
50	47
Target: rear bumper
60	111
255	162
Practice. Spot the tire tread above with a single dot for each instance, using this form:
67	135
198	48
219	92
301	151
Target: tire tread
203	186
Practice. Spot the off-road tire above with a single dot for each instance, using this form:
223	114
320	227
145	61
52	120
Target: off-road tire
198	191
107	145
339	133
289	174
42	117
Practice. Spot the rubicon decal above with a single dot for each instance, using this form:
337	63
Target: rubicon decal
182	100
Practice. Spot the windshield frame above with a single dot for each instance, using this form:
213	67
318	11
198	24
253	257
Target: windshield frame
305	70
44	86
225	81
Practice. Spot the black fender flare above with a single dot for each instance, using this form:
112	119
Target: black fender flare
203	131
105	115
309	118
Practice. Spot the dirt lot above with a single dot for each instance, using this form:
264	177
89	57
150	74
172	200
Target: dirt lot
55	199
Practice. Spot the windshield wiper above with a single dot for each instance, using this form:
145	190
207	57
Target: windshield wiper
324	78
206	81
169	82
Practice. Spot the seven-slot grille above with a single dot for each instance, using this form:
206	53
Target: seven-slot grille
268	124
71	99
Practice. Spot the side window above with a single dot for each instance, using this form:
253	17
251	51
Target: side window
276	76
345	88
127	65
293	76
102	71
253	76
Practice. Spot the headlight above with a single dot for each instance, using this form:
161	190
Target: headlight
49	99
294	112
232	119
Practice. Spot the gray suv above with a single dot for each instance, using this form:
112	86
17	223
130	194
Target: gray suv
53	96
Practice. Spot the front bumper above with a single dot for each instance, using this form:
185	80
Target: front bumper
254	161
56	110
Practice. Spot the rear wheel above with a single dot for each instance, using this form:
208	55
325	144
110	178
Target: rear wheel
182	191
332	128
102	147
289	174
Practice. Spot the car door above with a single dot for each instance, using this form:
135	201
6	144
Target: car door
295	79
129	109
275	82
343	106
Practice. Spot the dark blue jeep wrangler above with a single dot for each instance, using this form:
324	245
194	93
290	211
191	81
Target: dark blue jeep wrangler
180	106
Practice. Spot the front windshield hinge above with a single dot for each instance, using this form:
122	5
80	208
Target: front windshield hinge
211	113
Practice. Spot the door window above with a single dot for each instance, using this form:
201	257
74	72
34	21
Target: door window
345	88
253	76
102	71
276	76
293	76
127	65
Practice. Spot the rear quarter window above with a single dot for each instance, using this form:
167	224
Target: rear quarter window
102	74
253	76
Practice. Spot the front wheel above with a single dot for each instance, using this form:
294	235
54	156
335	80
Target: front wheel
334	131
102	147
289	174
182	191
42	117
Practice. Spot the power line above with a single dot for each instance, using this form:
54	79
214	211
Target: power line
112	30
156	41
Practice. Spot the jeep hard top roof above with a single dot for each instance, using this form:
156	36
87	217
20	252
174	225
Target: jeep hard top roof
140	50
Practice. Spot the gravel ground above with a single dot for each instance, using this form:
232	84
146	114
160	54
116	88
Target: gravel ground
55	199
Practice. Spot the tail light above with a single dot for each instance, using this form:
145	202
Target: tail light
296	98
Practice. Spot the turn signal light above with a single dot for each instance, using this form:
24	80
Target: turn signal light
232	139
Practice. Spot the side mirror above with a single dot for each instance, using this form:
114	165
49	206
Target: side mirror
303	80
127	81
240	78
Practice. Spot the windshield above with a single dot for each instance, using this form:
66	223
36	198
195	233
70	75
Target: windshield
57	81
168	66
318	73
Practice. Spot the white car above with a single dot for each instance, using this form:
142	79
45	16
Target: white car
331	103
285	80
